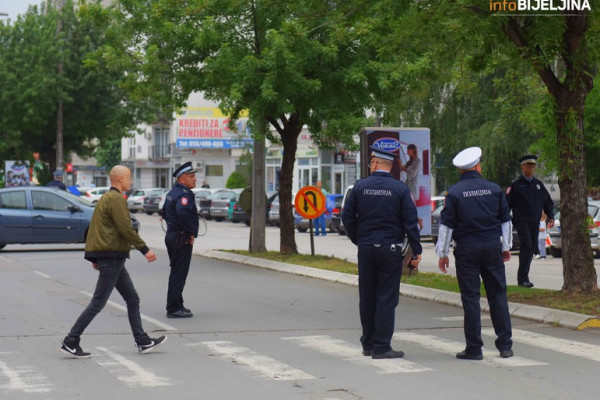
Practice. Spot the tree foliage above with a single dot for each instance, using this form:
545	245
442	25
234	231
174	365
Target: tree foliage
94	103
290	64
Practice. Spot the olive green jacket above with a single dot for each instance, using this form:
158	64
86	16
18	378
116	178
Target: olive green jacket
110	233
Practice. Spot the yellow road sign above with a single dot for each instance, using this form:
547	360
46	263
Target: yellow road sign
310	202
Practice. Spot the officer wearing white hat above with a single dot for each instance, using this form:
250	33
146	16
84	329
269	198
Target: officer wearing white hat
378	214
526	197
476	216
181	214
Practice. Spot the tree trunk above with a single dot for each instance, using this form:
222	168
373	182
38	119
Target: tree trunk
289	138
578	259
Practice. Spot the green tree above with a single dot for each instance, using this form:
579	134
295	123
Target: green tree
236	180
108	153
94	102
563	52
290	64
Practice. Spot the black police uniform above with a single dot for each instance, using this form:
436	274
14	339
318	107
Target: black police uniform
181	215
526	198
57	183
378	214
476	208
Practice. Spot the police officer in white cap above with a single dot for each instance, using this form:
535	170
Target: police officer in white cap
378	214
181	215
476	216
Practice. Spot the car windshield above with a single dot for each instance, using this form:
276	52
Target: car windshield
79	200
226	194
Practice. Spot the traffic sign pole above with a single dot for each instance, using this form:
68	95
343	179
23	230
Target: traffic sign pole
312	238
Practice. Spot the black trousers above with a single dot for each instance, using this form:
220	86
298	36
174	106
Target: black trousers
528	238
180	265
486	262
379	273
111	275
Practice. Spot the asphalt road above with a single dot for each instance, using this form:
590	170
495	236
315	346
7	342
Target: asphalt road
257	334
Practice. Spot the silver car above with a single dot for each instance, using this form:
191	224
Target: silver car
555	248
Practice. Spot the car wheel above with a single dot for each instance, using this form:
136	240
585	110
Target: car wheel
247	223
149	212
554	252
434	239
219	219
301	229
133	211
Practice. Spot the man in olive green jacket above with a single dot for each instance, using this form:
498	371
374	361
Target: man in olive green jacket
109	239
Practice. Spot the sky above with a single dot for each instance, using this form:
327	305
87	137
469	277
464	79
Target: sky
15	7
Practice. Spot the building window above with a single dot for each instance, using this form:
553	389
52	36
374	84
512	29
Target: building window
161	142
214	170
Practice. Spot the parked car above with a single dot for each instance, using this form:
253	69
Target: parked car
203	193
206	203
222	201
240	215
341	229
152	201
39	214
555	249
135	202
333	203
94	194
273	218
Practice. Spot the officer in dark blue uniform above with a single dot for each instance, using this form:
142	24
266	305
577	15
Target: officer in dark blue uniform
181	215
527	196
378	214
476	216
57	182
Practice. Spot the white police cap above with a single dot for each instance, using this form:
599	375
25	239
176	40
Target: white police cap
468	158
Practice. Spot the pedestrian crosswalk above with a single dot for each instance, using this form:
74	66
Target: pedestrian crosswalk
27	374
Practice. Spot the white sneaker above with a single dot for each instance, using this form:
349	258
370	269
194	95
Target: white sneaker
538	257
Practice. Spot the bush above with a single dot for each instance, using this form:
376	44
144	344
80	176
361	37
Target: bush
236	180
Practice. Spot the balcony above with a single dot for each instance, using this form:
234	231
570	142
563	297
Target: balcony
163	152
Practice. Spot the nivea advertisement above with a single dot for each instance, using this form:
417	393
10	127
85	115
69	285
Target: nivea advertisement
412	167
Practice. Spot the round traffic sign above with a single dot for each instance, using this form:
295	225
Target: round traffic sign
310	202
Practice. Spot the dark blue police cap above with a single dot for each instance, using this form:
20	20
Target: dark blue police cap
379	153
528	159
185	168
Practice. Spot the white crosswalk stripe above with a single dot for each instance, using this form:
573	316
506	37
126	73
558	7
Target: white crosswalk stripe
14	376
266	366
128	371
570	347
339	348
450	347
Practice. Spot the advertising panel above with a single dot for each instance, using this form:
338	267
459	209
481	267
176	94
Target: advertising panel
412	146
207	128
17	173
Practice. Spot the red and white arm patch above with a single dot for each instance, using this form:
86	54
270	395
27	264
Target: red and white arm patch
184	201
508	190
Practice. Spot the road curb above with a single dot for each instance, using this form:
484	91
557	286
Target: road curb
544	315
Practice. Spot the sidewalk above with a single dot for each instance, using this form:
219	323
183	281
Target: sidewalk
534	313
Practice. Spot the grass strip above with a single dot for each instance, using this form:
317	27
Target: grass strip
583	303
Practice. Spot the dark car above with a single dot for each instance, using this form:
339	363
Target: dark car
38	214
333	204
239	215
206	203
152	201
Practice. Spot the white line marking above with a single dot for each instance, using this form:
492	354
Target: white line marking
491	358
146	318
23	378
335	347
266	366
460	318
6	259
569	347
42	274
128	371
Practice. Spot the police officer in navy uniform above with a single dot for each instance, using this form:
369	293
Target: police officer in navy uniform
378	214
527	196
476	216
181	215
57	182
